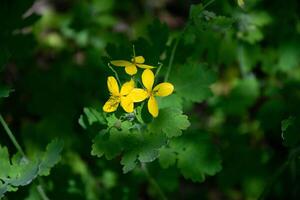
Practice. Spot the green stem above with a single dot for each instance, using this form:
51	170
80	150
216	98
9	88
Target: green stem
207	4
158	69
42	192
115	72
176	45
294	153
172	58
153	182
133	50
273	180
19	148
11	136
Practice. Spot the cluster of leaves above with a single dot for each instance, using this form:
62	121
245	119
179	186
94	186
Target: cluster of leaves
139	142
20	171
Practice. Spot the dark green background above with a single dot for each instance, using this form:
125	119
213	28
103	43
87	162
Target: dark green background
54	55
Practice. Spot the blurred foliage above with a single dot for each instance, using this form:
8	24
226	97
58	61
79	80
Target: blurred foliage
230	130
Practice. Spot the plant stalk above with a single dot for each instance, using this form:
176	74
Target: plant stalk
115	72
172	58
11	136
153	182
19	148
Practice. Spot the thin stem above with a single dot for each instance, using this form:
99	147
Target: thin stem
153	182
174	51
42	192
176	44
207	4
115	72
294	153
133	50
273	180
158	69
11	136
172	58
19	148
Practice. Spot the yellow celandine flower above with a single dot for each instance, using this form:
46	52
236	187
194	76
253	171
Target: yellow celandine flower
131	67
162	90
119	97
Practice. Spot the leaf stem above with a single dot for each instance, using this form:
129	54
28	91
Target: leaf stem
133	50
273	179
208	3
293	155
42	192
172	57
11	136
153	182
158	69
19	148
115	72
176	45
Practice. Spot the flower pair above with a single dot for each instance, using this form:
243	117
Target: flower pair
130	95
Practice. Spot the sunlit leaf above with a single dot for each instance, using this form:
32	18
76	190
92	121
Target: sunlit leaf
193	81
170	122
19	171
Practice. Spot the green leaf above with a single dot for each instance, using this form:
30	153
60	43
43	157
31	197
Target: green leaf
109	143
5	91
173	101
50	157
144	147
4	164
170	122
90	117
113	121
167	157
133	145
195	11
205	20
195	154
20	171
241	3
289	57
193	81
3	189
24	173
250	25
242	96
129	161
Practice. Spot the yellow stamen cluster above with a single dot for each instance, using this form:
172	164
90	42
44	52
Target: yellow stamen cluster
129	94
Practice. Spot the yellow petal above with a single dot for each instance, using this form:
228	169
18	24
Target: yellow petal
138	95
152	106
127	104
127	87
121	63
163	89
148	79
113	86
143	66
131	69
138	59
111	105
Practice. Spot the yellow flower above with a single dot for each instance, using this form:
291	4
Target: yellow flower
131	67
162	90
117	97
